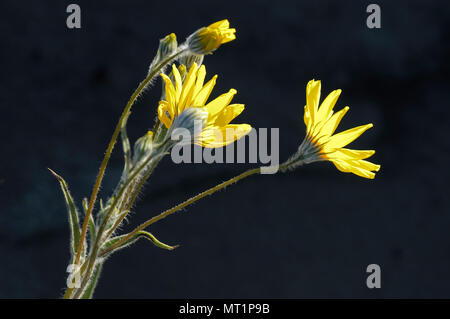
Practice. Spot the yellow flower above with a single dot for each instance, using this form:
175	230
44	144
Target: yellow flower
207	39
193	93
320	140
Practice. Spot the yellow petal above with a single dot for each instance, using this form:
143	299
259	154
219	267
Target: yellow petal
222	136
178	82
220	31
348	154
170	92
164	113
312	98
222	24
331	125
347	168
218	104
341	139
228	35
202	96
327	105
201	73
366	165
228	114
322	131
188	86
307	120
206	136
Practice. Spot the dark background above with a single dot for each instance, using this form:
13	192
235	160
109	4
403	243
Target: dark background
309	233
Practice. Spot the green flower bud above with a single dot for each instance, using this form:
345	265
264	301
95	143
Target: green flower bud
143	147
167	46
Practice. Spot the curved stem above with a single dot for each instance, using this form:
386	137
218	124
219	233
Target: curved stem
109	150
181	206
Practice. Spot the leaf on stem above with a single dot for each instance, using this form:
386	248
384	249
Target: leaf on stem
140	234
93	283
125	146
92	227
73	214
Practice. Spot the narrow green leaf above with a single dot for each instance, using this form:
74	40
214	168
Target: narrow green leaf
101	206
85	204
125	147
114	240
93	283
154	240
92	228
140	234
73	213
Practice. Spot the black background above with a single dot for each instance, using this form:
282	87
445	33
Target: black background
310	233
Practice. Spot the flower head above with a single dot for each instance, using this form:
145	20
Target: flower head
193	93
143	146
321	143
207	39
167	46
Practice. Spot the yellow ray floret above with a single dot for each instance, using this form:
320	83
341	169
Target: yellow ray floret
192	92
321	124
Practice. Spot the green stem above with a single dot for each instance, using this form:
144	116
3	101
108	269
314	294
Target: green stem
109	150
123	212
181	206
99	237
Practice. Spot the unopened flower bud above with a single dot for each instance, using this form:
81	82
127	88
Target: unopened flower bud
143	147
167	46
207	39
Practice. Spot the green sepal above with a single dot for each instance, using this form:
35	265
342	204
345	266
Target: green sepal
73	214
160	134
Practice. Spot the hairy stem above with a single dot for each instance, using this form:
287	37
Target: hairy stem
109	150
98	242
181	206
123	212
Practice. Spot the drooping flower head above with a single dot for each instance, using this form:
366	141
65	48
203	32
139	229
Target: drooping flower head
182	95
207	39
321	143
